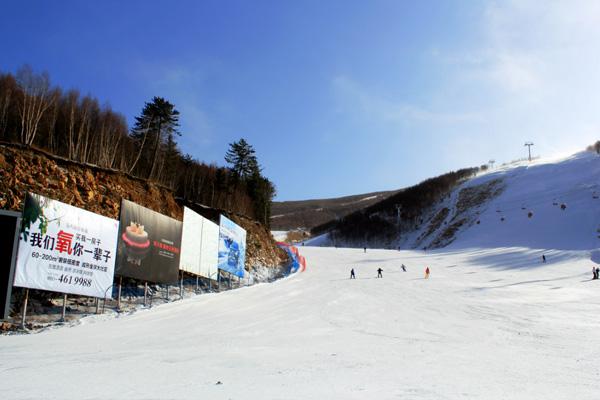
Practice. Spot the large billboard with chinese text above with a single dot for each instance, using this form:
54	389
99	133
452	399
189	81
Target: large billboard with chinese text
65	249
199	245
149	245
232	247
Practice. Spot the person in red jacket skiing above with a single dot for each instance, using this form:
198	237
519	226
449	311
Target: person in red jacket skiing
427	273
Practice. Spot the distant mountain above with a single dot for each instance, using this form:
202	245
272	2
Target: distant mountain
306	214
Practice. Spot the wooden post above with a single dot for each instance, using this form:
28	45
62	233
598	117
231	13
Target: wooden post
64	308
181	286
145	293
119	294
97	305
24	313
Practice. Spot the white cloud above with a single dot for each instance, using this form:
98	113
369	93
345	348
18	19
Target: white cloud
353	97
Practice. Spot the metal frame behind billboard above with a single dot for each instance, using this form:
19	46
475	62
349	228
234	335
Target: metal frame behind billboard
232	247
65	249
149	245
10	222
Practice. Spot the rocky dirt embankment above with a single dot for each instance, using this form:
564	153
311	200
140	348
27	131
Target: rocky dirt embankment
100	191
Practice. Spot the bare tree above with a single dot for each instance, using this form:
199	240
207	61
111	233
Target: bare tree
36	99
7	93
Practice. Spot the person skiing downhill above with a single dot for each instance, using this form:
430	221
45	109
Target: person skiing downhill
427	273
543	258
379	271
403	268
352	276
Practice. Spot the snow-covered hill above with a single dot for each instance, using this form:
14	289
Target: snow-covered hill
543	204
551	204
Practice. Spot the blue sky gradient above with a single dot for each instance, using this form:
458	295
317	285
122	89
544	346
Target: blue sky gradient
337	97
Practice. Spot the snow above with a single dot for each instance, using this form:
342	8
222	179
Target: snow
540	188
492	322
489	323
279	236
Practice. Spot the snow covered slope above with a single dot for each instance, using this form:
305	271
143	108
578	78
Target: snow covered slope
488	324
545	204
528	211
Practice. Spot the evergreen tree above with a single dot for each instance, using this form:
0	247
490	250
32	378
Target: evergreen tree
154	135
242	159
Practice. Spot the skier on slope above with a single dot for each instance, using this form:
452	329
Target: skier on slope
543	258
379	271
594	273
403	268
352	276
427	273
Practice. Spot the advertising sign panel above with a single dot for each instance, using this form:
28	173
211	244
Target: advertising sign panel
191	242
199	245
232	247
149	245
65	249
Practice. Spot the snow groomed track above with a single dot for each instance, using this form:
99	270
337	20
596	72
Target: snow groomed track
488	324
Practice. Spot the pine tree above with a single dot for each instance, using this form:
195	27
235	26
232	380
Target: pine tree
154	135
242	159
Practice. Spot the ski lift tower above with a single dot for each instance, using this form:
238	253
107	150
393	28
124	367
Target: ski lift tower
529	144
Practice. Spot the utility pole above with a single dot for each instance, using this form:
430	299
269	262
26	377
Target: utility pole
529	144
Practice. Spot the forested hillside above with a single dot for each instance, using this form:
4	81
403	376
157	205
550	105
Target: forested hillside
404	211
78	128
306	214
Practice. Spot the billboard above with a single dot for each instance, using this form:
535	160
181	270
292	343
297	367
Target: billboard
149	245
191	241
65	249
199	245
232	247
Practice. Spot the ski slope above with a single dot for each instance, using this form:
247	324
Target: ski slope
492	322
539	189
488	324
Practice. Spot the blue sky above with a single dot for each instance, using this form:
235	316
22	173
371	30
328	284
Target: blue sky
337	97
